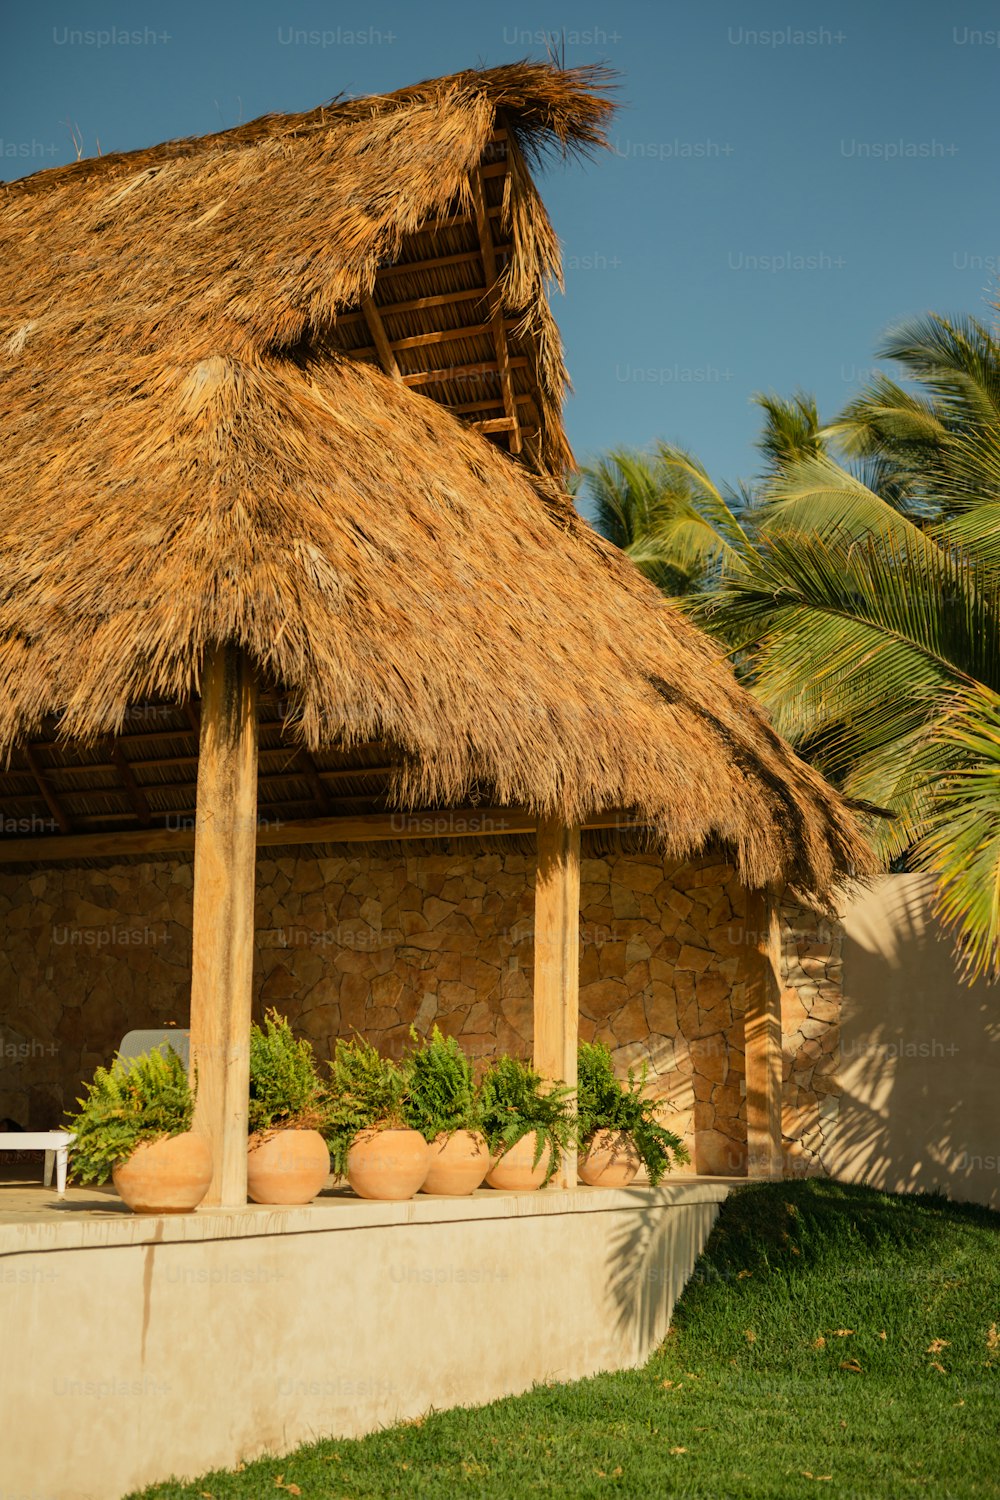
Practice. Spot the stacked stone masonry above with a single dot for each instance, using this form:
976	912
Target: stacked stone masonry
376	945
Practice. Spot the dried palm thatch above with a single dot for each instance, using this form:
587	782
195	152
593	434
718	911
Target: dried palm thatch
194	454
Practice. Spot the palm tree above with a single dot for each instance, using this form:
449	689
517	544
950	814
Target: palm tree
864	603
665	513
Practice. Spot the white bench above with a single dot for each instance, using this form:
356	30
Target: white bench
55	1144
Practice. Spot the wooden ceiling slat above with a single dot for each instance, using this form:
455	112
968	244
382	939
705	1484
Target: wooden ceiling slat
447	335
465	407
463	372
434	262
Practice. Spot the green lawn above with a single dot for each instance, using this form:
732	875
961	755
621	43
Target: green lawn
833	1341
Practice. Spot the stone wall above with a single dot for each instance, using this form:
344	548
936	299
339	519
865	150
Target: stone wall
376	944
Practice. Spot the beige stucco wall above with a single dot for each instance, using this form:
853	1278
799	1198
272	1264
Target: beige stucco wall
176	1346
919	1071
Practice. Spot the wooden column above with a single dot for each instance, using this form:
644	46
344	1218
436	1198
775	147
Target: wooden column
557	961
763	1036
222	960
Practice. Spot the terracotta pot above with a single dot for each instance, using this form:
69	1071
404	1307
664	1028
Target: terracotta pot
290	1166
458	1164
610	1159
513	1171
388	1164
169	1176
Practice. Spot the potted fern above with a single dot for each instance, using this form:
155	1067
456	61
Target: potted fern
287	1159
371	1140
134	1126
443	1104
528	1122
619	1130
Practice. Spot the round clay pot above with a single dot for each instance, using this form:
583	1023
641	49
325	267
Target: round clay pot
388	1164
290	1166
169	1176
513	1171
459	1163
610	1159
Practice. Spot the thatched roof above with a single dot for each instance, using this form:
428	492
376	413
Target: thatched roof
195	450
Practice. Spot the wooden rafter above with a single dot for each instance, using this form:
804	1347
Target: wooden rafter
376	328
498	323
52	802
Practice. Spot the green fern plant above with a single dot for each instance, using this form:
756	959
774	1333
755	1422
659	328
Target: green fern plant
366	1092
606	1102
126	1105
515	1100
286	1091
441	1087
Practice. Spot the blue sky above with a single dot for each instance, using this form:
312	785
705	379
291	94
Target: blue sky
786	180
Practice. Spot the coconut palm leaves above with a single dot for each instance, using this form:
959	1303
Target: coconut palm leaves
664	511
861	602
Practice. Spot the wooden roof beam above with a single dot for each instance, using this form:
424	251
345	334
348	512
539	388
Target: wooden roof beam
497	321
443	823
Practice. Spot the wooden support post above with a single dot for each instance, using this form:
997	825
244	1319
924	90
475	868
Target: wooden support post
222	958
762	1039
557	961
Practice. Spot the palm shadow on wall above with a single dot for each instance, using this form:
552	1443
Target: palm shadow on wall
920	1061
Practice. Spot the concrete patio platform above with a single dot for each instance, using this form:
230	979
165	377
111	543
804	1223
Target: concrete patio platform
201	1340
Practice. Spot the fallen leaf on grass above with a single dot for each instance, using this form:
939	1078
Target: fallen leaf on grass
940	1368
993	1340
742	1275
678	1450
883	1335
842	1333
851	1365
750	1336
936	1345
290	1489
806	1475
819	1343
